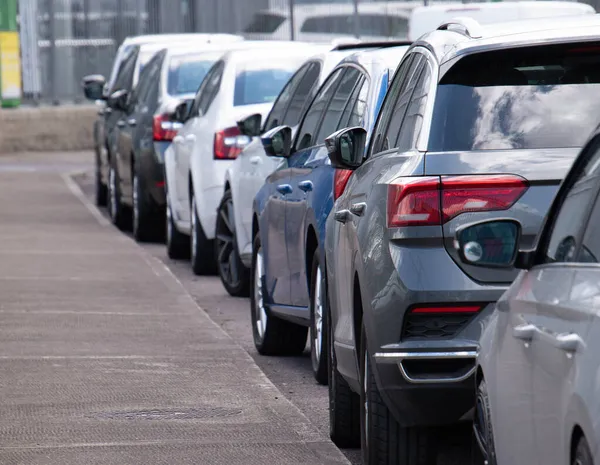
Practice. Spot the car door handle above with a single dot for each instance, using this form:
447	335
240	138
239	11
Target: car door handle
190	138
131	122
358	208
569	342
284	189
306	186
342	216
524	332
255	160
121	123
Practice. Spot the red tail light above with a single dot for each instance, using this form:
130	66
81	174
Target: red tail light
229	143
340	179
431	201
163	129
447	309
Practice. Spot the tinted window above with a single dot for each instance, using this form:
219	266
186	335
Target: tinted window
303	95
308	128
147	88
186	73
517	99
392	115
357	107
338	103
275	117
369	24
124	78
264	23
210	91
261	82
413	120
212	74
590	247
566	227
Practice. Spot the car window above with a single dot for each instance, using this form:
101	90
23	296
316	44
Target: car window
186	73
355	111
209	91
275	117
368	24
516	99
337	104
124	78
261	82
303	95
413	120
195	110
565	231
144	83
307	131
590	245
394	110
151	97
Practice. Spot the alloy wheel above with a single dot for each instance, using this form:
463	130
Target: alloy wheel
318	315
113	192
226	257
366	398
136	205
194	241
261	314
169	220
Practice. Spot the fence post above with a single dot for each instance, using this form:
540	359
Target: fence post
53	55
292	21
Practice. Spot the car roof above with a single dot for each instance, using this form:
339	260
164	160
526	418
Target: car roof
162	38
449	44
388	57
262	48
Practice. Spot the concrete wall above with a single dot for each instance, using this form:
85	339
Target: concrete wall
60	128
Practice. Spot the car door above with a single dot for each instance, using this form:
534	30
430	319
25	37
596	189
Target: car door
253	164
559	308
358	191
309	177
186	137
304	145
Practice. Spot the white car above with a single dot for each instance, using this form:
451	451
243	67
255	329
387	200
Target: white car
324	22
243	81
246	175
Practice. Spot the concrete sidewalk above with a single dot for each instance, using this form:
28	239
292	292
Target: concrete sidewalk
105	359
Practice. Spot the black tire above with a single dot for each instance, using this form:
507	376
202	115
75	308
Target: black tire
178	244
202	250
319	319
234	275
344	405
583	454
116	209
482	425
275	336
145	219
383	440
101	195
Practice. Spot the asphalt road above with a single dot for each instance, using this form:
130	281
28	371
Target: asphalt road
291	375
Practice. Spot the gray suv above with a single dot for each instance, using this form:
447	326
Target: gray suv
478	123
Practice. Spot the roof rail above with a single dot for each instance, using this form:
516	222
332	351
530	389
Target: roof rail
372	44
463	25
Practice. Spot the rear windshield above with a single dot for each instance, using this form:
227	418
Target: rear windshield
529	98
186	73
265	23
262	82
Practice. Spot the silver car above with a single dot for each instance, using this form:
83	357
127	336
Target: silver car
478	123
541	338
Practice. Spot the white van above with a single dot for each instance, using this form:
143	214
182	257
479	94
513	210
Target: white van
425	19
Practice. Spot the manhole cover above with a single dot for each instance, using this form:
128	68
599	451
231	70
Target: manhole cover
171	414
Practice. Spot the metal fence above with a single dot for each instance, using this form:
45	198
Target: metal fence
64	40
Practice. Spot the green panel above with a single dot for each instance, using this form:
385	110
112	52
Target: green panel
8	15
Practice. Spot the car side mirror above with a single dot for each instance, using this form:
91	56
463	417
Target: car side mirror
346	147
182	110
278	142
490	243
93	86
251	125
118	100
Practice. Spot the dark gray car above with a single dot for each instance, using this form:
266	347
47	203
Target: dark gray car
478	123
542	337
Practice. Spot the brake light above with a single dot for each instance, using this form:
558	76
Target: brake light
434	201
163	129
340	180
229	143
447	309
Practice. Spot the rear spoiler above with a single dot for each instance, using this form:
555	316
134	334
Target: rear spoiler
376	44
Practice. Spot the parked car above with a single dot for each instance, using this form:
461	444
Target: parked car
324	22
289	289
247	174
96	87
147	127
478	123
537	367
424	19
242	82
